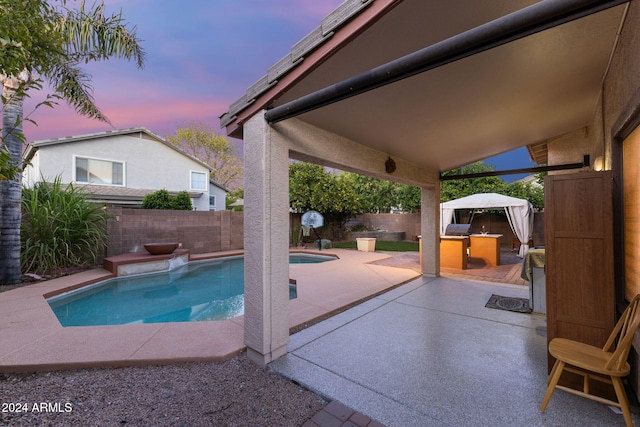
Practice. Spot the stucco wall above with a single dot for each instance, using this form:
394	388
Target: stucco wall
621	94
622	84
621	89
571	148
198	231
221	198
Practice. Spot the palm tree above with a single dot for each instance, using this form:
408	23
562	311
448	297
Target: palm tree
68	39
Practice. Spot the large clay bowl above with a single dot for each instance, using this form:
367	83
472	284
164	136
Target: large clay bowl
160	248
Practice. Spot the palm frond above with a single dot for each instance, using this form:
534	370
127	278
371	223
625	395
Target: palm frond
94	36
74	85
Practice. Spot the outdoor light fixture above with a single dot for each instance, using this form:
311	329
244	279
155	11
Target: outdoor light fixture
598	164
390	165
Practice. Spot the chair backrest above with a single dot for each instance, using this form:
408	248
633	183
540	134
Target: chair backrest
622	335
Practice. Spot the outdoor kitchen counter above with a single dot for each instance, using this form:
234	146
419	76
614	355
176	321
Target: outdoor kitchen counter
453	251
485	247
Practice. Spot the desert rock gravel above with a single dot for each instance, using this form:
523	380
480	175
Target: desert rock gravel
236	392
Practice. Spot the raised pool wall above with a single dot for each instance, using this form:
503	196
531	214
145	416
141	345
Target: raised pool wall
141	263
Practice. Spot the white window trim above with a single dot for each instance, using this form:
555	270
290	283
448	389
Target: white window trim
206	178
75	167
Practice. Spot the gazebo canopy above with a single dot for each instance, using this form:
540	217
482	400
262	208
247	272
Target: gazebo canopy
519	213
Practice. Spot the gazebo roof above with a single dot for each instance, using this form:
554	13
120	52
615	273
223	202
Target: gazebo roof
484	201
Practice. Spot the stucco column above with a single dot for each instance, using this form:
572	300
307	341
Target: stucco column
430	229
266	243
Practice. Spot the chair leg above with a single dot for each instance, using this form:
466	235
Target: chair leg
553	370
622	400
558	367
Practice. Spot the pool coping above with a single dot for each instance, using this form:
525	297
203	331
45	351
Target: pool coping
32	339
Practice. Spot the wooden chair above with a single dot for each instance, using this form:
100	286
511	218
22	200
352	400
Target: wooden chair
608	365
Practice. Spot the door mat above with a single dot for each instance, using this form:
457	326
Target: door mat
521	305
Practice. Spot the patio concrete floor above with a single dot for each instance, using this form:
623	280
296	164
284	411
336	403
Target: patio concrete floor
429	353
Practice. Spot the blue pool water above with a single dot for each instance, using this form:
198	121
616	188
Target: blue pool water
204	290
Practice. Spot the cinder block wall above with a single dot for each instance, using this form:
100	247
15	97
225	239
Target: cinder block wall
410	224
198	231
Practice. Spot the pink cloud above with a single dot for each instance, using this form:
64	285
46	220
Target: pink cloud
202	56
159	116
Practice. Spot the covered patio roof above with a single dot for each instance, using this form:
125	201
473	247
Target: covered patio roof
518	94
433	85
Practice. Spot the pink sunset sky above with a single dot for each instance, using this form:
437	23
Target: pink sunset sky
201	56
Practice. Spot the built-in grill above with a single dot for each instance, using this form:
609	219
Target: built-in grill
458	230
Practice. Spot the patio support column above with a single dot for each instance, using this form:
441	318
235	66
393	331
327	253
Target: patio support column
430	229
266	243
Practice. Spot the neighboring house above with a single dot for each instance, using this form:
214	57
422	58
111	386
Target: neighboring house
217	196
120	167
532	180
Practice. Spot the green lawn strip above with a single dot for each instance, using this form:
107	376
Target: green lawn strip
382	246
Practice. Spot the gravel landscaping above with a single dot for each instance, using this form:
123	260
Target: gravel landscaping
236	392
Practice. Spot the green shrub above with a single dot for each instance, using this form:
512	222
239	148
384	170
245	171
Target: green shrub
182	201
60	228
161	199
157	200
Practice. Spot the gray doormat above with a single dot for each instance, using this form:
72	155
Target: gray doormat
520	305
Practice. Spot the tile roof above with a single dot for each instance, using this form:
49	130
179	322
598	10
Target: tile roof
124	194
338	17
147	134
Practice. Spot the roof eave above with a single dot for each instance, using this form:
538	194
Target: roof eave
252	102
127	131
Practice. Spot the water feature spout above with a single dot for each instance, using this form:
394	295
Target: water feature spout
175	262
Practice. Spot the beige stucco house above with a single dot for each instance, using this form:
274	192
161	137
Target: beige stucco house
120	167
436	85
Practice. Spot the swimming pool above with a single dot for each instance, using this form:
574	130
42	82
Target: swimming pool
202	290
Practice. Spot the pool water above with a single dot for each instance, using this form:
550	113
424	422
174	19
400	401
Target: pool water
197	291
301	258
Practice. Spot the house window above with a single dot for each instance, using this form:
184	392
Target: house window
212	203
198	181
95	171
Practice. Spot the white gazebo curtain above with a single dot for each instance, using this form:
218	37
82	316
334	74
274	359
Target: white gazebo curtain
521	221
519	213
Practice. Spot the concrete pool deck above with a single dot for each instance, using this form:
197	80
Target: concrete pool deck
32	339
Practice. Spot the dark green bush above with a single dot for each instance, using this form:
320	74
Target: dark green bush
60	228
157	200
182	201
161	199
